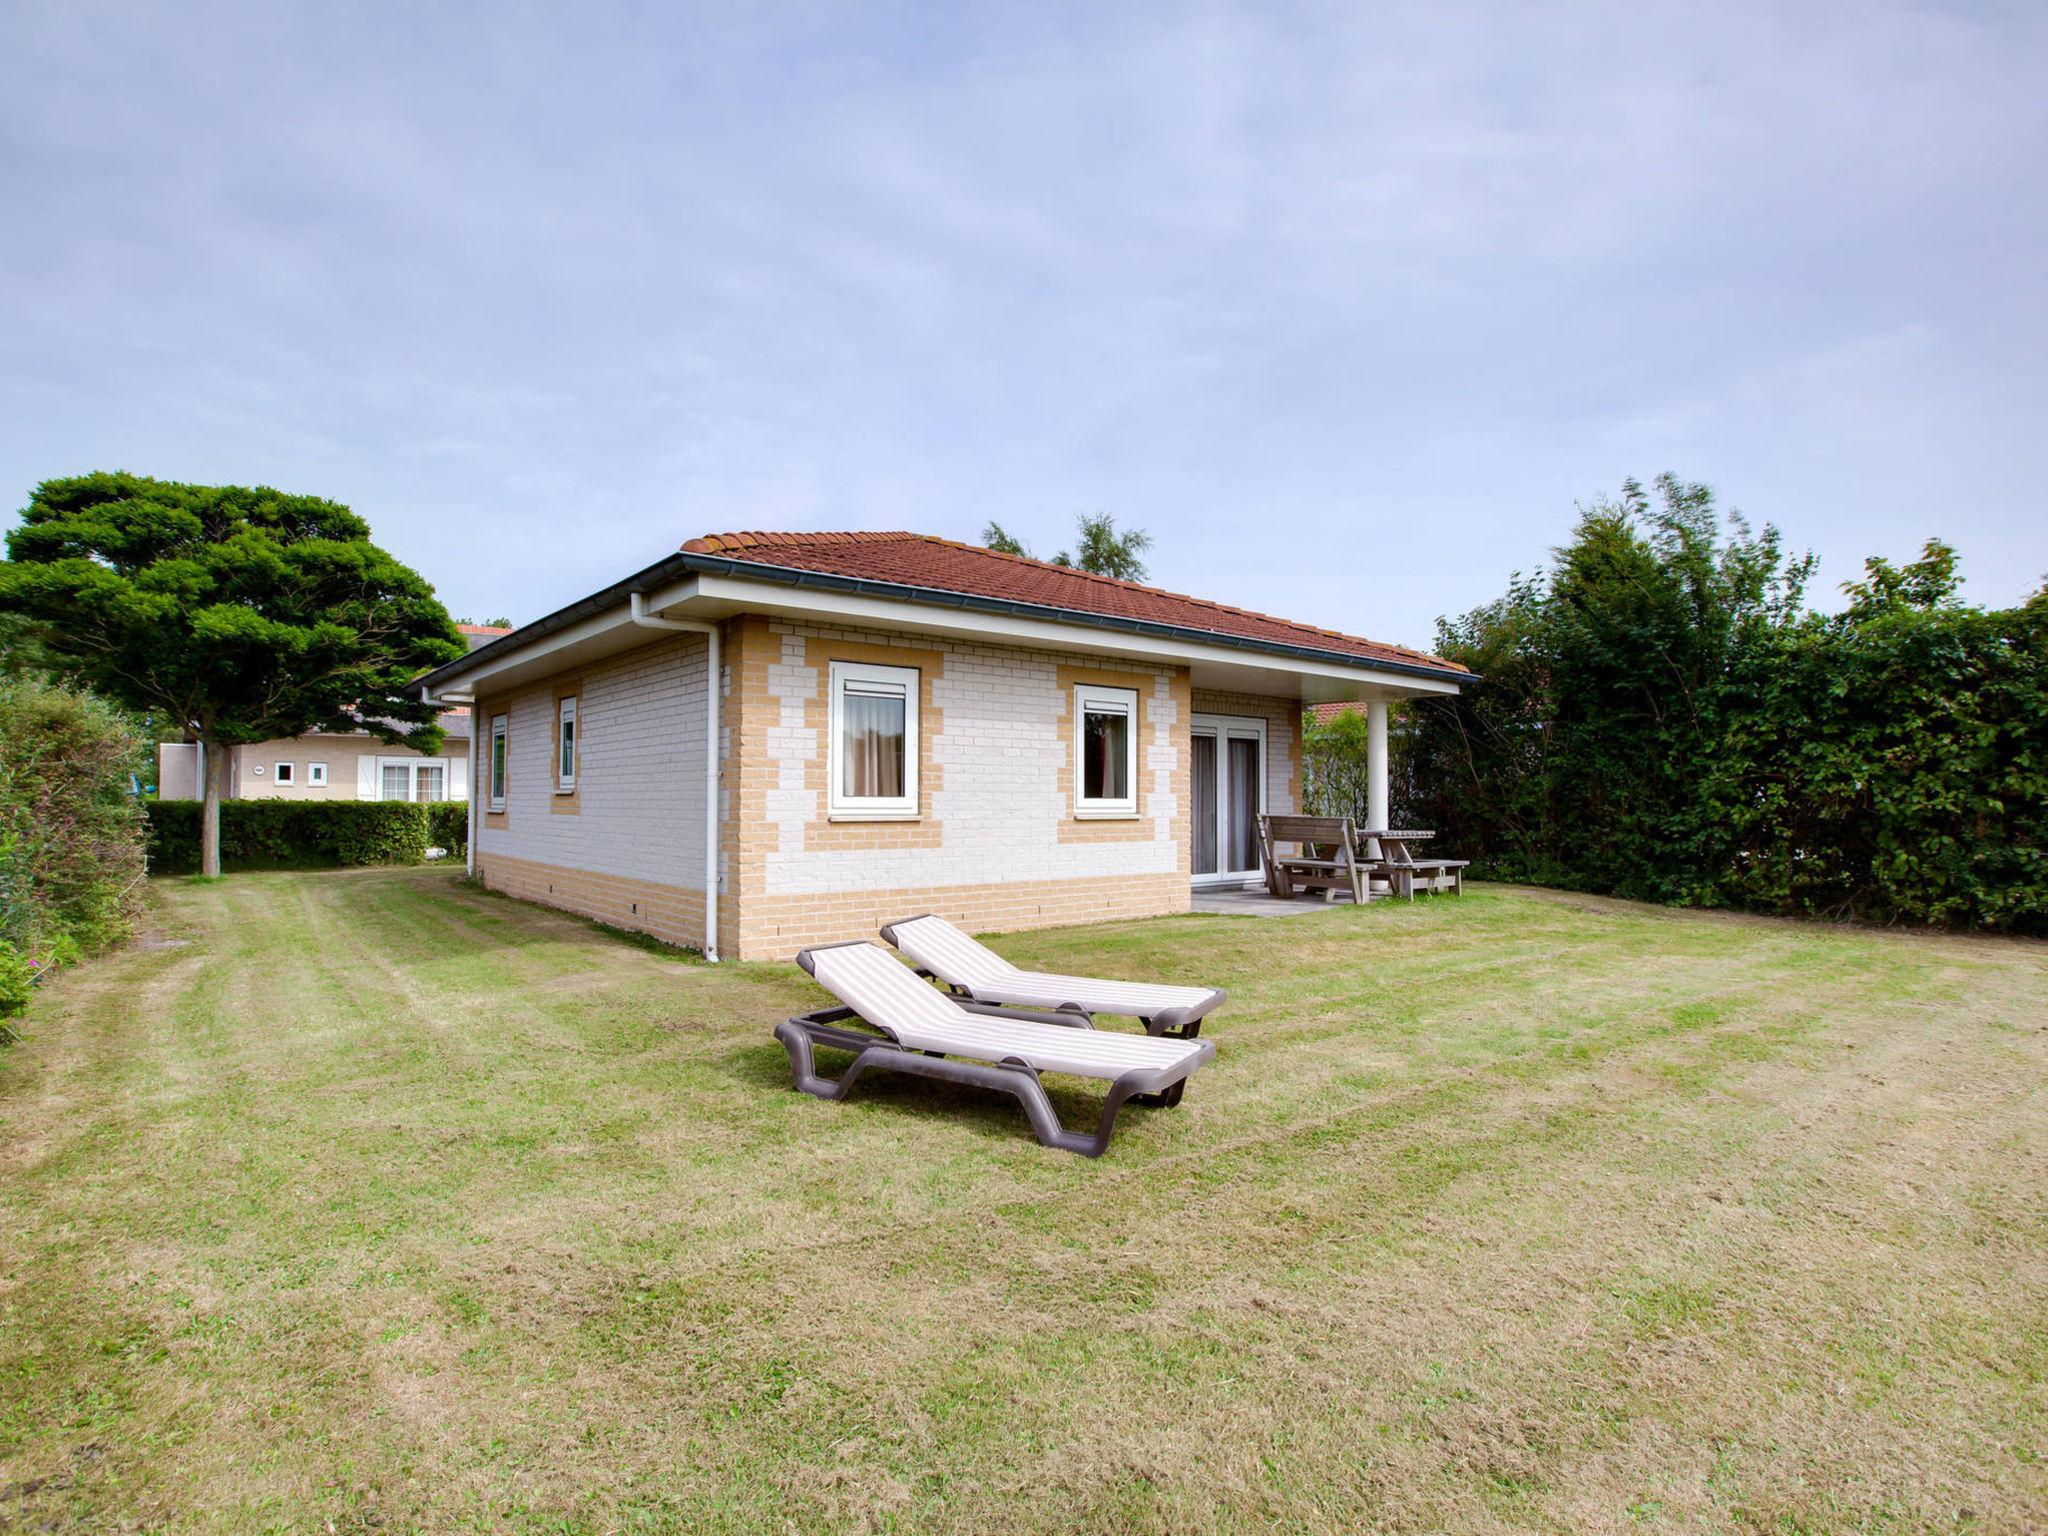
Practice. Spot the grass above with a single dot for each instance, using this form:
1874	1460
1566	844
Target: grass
383	1204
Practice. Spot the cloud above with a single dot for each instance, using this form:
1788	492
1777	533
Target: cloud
1307	290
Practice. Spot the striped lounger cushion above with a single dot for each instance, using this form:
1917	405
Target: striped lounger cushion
987	977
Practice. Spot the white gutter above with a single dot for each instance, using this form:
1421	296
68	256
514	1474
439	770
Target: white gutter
648	620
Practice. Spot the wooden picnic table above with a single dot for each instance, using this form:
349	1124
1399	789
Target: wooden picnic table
1334	857
1386	850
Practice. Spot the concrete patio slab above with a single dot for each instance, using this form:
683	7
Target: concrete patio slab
1256	901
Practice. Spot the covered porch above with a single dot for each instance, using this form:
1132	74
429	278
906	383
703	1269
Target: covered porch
1245	761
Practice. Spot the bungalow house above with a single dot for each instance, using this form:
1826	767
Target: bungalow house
333	765
827	731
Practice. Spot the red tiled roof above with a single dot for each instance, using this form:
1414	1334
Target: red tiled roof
945	565
480	635
1323	714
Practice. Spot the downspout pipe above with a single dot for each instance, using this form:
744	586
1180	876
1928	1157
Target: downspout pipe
648	620
469	812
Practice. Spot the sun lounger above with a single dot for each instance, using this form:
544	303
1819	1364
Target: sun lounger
925	1033
973	970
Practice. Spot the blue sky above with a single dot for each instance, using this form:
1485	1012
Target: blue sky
1347	304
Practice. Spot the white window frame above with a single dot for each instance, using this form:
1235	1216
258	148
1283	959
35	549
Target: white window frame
565	720
283	774
316	775
498	766
1093	698
866	677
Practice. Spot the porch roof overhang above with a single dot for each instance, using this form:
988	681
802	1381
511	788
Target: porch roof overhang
689	585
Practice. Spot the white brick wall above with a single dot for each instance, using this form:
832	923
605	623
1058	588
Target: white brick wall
640	779
998	804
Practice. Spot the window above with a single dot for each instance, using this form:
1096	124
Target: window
565	746
316	775
497	765
1105	751
284	773
874	741
424	780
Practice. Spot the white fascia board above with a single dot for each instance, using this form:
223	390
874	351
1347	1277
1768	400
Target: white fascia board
596	627
1014	629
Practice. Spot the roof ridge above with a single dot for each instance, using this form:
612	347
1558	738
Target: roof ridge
714	543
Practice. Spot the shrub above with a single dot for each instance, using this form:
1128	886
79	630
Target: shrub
448	826
291	834
70	828
17	977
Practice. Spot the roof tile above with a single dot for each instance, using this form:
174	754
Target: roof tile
946	565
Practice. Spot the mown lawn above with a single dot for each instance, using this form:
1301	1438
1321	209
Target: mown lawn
376	1203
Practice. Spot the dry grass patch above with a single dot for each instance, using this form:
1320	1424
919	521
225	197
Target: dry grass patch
386	1205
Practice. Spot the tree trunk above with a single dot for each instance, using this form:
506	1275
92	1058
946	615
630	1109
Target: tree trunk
216	790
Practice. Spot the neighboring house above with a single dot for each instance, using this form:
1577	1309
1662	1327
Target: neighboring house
1328	714
334	765
901	724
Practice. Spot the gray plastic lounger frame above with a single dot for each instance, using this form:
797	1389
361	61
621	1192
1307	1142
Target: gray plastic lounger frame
971	970
1157	1086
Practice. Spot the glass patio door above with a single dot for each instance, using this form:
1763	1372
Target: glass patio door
1229	773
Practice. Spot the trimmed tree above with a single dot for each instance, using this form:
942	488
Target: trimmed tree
1098	547
243	614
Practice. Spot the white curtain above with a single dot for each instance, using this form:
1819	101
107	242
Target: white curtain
1243	847
872	727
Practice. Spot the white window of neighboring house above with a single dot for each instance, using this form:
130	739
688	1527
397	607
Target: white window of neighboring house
565	746
874	741
316	775
284	773
1105	751
497	773
423	780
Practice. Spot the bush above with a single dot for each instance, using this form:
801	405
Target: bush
448	826
70	828
293	834
17	977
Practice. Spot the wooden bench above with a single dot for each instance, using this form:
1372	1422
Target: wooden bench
1329	860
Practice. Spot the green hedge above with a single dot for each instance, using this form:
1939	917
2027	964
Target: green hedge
304	834
1661	716
448	825
70	831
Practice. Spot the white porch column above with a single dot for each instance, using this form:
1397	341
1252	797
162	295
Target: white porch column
1376	764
